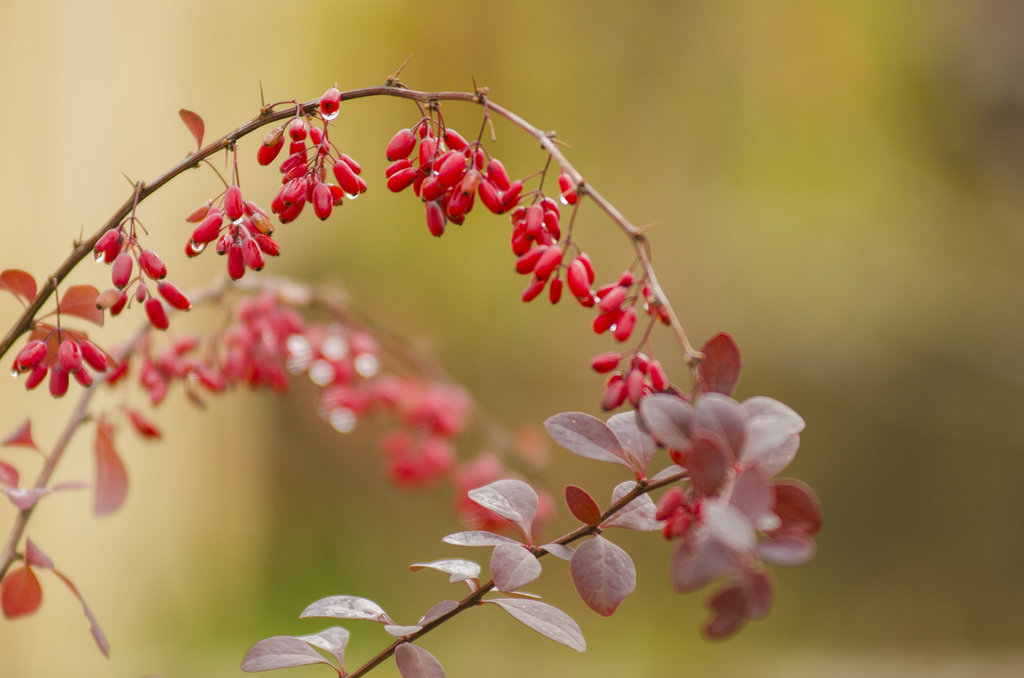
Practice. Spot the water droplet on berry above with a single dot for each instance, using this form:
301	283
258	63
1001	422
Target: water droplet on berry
14	372
351	197
367	365
330	116
562	200
342	419
196	247
322	373
334	347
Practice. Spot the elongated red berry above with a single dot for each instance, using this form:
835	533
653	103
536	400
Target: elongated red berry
30	356
36	376
624	325
267	244
297	129
576	278
234	207
510	198
606	362
548	262
612	299
497	173
555	290
83	377
108	245
267	153
156	313
323	201
58	382
121	272
152	265
347	179
532	290
659	380
401	145
450	168
119	305
208	229
455	141
351	163
252	255
436	220
199	213
236	262
397	166
402	179
527	262
614	392
93	356
565	185
490	196
69	356
174	296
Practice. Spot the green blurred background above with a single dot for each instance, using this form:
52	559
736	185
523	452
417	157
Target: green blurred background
836	183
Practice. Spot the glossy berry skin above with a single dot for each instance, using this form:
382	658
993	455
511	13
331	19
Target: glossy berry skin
156	313
174	296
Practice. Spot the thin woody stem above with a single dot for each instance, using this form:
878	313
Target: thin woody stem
395	89
476	597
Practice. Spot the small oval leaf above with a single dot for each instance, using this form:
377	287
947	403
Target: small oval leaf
415	662
719	371
544	619
280	652
20	593
459	569
80	301
603	573
477	538
513	566
333	640
195	125
511	499
587	436
111	476
19	283
637	514
582	505
347	607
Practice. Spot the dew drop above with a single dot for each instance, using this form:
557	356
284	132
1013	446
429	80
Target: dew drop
322	373
562	200
14	372
343	420
98	257
330	116
367	365
351	197
196	247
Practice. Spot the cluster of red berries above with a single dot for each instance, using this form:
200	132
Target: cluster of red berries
241	229
643	376
447	173
678	512
304	170
62	354
122	251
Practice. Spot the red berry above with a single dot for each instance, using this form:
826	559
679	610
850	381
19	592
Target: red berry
527	262
490	196
455	141
199	213
565	185
532	290
436	219
267	244
121	272
236	262
624	325
119	305
347	179
30	356
400	180
152	265
208	229
267	153
69	355
156	313
83	377
330	102
555	290
401	145
297	129
234	208
93	356
577	280
351	163
36	377
450	168
606	362
174	296
323	201
58	382
614	392
496	172
613	299
548	262
397	166
252	255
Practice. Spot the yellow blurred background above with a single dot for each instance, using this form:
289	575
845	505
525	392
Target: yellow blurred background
838	184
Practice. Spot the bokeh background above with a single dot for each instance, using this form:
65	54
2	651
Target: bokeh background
838	184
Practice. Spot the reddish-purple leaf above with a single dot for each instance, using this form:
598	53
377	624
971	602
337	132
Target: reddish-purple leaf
281	652
726	419
477	538
603	574
19	283
544	619
637	514
728	613
513	566
513	500
700	560
669	419
94	626
797	507
707	462
195	125
558	550
401	631
35	557
20	593
586	436
347	607
728	525
719	371
22	437
26	499
80	301
638	445
415	662
754	495
582	505
667	472
8	475
438	610
111	477
787	549
459	569
333	640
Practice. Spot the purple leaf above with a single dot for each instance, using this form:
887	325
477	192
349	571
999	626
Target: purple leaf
513	500
637	514
728	525
753	495
719	371
559	550
26	499
669	419
787	549
35	557
586	436
513	566
459	569
439	610
603	574
667	472
400	631
723	415
477	538
700	560
544	619
772	434
708	462
728	613
22	437
638	445
347	607
415	662
281	652
333	640
797	507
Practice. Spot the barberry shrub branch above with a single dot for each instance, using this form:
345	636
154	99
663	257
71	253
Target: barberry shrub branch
720	503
